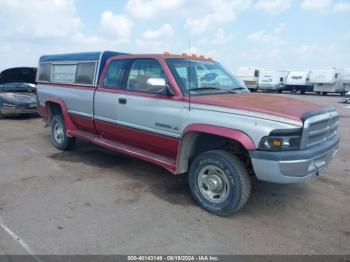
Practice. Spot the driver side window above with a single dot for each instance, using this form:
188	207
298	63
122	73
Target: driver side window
144	76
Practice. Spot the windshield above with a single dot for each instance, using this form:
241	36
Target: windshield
203	77
17	87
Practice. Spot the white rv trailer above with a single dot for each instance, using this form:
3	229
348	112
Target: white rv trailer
249	75
327	81
270	80
298	81
346	79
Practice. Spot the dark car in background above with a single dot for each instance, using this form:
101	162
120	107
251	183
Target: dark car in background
18	91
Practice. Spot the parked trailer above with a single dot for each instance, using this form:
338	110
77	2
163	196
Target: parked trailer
346	80
298	81
250	77
327	81
272	80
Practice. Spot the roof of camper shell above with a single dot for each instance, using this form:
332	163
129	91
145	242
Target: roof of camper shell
101	57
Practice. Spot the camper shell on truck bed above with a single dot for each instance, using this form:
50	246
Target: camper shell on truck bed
187	116
75	68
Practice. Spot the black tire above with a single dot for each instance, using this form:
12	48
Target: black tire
64	142
239	183
302	92
324	93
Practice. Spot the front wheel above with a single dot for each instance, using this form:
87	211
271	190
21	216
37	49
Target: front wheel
58	134
219	182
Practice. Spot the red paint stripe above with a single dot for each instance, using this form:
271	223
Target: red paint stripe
83	123
154	143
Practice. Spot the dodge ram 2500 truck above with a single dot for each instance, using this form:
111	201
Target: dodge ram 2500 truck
187	115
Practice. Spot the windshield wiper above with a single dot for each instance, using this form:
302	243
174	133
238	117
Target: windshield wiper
210	88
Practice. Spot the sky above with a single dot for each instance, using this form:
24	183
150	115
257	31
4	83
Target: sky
268	34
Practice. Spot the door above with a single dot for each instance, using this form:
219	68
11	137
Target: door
146	116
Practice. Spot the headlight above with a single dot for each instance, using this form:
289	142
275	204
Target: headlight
280	140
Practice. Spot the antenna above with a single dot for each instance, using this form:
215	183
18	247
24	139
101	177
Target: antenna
189	75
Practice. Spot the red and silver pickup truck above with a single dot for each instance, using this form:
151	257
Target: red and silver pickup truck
187	115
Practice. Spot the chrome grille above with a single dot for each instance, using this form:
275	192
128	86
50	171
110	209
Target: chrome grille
320	128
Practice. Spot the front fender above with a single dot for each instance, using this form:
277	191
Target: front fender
189	137
233	134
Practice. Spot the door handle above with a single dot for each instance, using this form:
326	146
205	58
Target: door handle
122	101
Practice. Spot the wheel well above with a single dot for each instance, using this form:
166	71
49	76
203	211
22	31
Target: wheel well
54	109
196	143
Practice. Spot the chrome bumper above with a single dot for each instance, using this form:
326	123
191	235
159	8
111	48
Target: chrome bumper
293	166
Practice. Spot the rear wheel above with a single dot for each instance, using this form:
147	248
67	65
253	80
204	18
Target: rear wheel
219	182
58	134
324	93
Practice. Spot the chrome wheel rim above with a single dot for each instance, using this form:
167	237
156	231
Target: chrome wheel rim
58	132
213	183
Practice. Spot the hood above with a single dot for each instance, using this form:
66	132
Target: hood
260	103
18	98
297	78
19	75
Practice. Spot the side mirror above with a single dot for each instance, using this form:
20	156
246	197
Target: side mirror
159	85
156	82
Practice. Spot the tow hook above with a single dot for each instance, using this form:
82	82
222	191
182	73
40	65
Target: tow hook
317	170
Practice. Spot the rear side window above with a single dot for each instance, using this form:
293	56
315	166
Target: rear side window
114	76
85	73
45	72
63	73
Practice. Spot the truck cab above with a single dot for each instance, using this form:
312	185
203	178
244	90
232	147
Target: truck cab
187	114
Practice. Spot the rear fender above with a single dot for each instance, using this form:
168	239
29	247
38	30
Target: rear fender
70	127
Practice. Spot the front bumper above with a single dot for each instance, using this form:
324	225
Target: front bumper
293	166
18	110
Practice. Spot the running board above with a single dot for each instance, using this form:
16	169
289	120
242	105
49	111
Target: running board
166	162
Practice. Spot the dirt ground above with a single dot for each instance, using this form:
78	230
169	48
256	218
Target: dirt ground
93	201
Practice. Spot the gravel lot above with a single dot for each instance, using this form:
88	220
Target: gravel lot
93	201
